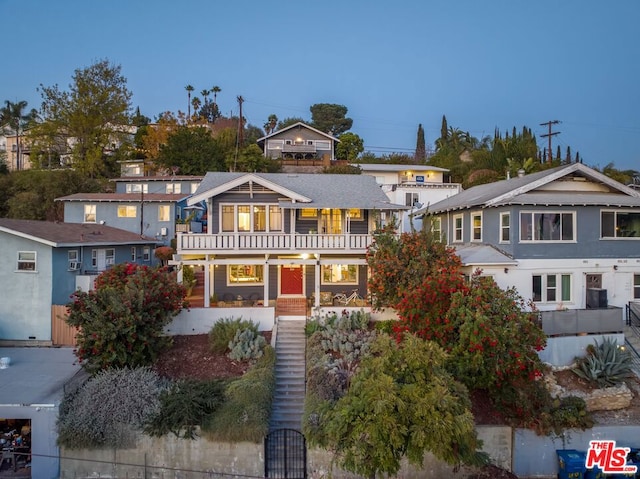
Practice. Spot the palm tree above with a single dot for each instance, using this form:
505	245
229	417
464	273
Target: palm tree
273	121
216	90
189	89
205	95
13	114
196	105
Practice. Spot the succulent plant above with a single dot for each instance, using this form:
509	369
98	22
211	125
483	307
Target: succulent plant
606	364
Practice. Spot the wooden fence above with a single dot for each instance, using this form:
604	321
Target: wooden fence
61	333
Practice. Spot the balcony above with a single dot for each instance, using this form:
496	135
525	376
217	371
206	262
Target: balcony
278	243
299	148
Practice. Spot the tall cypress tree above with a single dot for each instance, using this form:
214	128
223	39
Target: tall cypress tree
421	149
558	153
568	157
444	129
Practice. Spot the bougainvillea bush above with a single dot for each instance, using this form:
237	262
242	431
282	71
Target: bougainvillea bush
121	322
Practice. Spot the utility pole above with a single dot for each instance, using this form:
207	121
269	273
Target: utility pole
549	135
240	123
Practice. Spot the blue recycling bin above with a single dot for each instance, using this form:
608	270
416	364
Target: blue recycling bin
571	463
595	473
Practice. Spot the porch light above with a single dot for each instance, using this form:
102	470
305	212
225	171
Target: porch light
305	256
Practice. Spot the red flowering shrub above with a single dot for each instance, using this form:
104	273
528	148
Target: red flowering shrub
121	322
164	253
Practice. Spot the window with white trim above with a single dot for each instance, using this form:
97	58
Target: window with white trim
476	227
636	286
127	211
457	228
436	228
339	274
137	188
146	253
133	253
173	188
72	255
164	212
549	226
620	224
551	288
505	230
245	274
251	218
27	260
89	213
410	199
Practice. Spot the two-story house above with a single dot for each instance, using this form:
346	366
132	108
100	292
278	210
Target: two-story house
566	238
42	263
300	145
276	235
415	186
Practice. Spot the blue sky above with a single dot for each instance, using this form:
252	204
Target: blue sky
394	64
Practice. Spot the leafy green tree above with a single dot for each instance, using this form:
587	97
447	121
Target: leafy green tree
330	118
31	194
349	147
342	170
14	116
251	159
421	149
402	403
193	150
121	323
290	121
94	112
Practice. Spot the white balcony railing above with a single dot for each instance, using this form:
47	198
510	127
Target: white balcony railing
273	242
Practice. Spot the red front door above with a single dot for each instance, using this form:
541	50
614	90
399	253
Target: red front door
291	279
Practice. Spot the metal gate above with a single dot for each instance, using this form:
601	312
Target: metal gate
285	455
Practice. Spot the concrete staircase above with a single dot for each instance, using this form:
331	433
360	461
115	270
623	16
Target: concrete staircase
288	400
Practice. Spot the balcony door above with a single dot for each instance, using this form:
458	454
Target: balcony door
291	280
332	221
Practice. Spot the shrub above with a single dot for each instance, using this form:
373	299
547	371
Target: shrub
245	414
109	409
186	405
247	344
224	331
121	323
605	364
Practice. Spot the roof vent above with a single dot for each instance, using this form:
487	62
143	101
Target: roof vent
520	173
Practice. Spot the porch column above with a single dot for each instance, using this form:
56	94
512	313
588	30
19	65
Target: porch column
265	292
317	283
207	284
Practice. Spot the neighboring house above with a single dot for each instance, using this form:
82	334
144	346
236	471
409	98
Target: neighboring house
300	145
42	263
567	238
275	235
17	159
415	186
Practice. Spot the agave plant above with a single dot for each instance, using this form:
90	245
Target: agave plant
606	364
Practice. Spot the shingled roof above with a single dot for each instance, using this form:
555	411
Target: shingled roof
59	234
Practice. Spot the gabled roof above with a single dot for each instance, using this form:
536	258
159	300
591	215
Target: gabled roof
303	190
522	190
58	234
296	125
125	197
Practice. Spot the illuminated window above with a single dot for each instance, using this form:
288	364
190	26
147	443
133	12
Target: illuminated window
26	260
174	188
275	218
476	227
89	213
164	212
308	213
244	218
260	218
127	211
245	274
251	218
356	214
339	274
137	188
228	218
332	221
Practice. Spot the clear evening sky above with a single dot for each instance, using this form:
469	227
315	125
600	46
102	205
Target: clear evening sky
394	64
